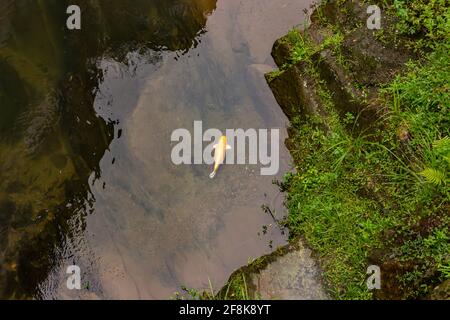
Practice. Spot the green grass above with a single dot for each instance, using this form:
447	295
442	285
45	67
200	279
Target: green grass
302	48
235	289
428	19
349	191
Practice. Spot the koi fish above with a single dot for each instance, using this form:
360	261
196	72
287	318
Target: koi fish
220	150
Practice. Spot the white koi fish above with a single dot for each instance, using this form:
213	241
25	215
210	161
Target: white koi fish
220	151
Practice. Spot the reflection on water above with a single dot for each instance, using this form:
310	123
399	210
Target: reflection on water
51	139
86	118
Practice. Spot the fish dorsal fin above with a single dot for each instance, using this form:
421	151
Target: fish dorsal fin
228	147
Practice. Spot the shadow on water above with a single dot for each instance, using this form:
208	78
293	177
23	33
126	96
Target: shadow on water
51	137
85	124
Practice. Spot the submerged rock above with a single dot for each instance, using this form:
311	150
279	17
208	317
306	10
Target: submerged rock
293	276
289	273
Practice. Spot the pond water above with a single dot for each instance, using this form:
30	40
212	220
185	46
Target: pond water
85	144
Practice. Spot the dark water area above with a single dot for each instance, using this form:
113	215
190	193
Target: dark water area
85	123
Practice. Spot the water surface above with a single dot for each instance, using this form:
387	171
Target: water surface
137	225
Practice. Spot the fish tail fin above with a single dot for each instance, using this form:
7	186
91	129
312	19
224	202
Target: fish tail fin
213	174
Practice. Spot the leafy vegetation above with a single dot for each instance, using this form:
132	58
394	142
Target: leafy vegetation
303	48
430	19
350	191
236	289
385	191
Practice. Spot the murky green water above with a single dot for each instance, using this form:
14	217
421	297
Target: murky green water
85	123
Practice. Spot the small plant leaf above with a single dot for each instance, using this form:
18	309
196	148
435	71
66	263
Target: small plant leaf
442	146
433	176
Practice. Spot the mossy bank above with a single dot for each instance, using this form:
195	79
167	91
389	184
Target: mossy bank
370	139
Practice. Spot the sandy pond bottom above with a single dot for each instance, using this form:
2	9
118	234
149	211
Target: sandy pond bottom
154	226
